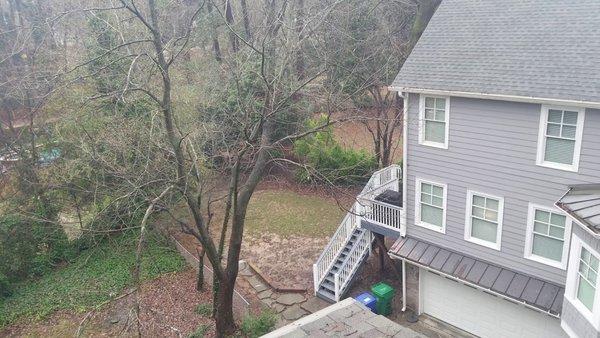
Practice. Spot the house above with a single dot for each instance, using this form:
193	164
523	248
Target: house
498	226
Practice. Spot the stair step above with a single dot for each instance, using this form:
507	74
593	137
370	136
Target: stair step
328	296
328	288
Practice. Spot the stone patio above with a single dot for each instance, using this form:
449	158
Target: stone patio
347	318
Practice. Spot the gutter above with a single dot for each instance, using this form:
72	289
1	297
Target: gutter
575	217
490	291
502	97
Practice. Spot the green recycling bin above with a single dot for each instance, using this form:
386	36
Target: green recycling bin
384	294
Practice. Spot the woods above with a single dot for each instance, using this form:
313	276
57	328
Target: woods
114	111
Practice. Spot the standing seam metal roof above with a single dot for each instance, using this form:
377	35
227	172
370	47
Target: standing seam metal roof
582	202
529	48
540	294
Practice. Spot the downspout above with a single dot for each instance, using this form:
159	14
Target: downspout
403	285
404	163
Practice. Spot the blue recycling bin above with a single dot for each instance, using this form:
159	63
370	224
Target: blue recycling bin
368	300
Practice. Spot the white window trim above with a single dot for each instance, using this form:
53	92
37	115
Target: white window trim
529	237
541	147
418	206
422	140
571	286
469	220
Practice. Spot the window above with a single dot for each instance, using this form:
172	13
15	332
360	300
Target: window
434	114
484	219
586	278
547	236
582	281
560	135
431	205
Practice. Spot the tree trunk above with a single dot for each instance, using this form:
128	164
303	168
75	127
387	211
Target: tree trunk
425	10
246	18
215	39
300	63
200	276
225	325
230	21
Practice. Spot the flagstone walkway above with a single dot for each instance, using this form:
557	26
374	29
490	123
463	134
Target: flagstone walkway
289	305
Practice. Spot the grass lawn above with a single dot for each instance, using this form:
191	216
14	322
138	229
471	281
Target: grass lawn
96	276
285	212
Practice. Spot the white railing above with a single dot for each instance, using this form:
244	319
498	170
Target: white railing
384	179
383	214
333	248
351	263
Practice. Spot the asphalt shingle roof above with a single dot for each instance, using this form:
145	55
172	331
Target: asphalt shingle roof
582	202
529	48
513	285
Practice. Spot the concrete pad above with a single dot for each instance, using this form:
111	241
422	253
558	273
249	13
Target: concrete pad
295	334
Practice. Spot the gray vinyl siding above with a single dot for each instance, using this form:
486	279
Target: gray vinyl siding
570	315
580	326
586	237
492	149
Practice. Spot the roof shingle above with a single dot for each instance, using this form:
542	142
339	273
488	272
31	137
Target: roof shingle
528	48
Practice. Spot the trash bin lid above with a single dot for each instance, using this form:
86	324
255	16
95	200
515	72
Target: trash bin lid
365	297
382	290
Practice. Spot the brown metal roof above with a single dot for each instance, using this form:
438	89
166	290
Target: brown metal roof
540	294
582	202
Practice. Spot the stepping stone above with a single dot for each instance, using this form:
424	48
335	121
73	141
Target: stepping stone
256	284
293	313
314	304
278	307
268	302
290	298
265	294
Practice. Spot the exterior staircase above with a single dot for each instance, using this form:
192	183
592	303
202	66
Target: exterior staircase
350	245
327	288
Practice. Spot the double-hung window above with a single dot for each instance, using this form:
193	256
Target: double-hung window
547	236
434	117
586	279
484	219
431	205
581	289
559	143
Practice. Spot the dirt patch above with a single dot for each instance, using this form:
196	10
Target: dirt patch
286	260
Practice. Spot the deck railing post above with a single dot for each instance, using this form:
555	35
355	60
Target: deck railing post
315	278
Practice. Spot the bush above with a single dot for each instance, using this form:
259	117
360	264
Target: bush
256	326
30	248
329	160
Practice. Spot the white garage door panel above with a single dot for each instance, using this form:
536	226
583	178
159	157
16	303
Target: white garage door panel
482	314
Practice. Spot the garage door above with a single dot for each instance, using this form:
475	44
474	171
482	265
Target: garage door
482	314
